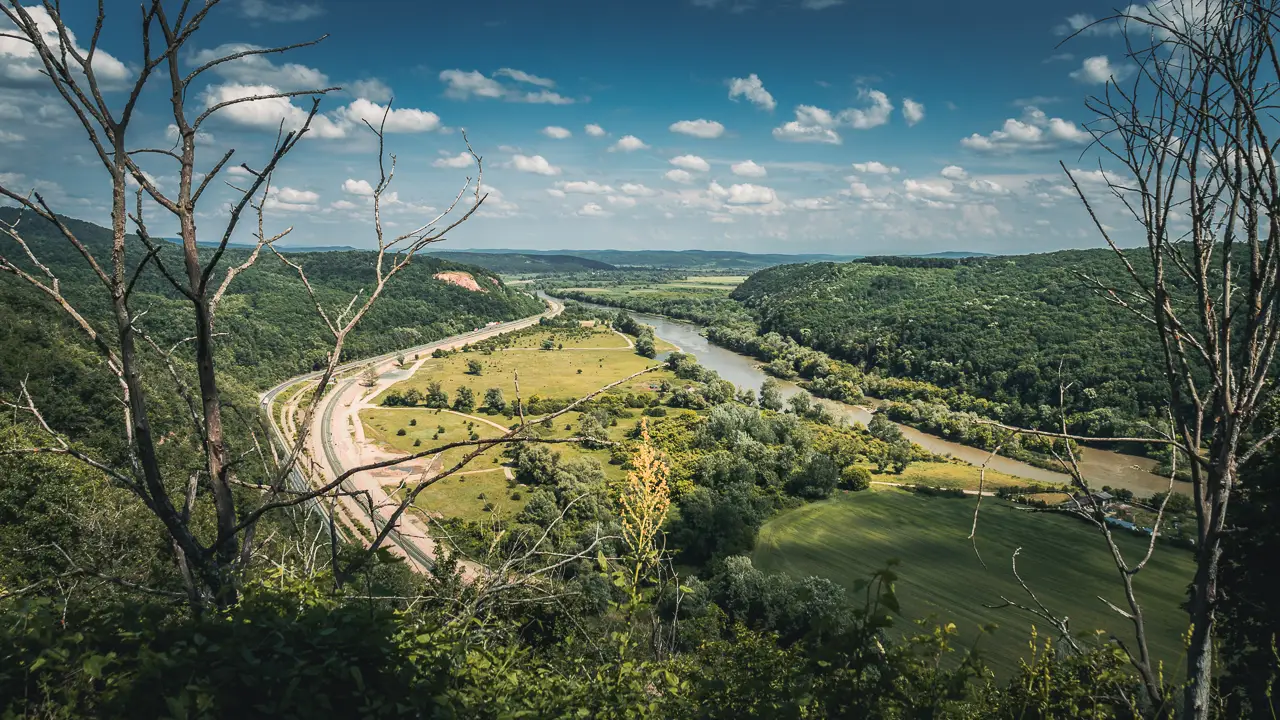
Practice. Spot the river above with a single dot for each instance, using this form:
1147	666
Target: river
1099	467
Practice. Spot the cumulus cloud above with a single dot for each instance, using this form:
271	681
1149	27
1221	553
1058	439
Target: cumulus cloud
20	66
260	69
987	187
691	162
288	199
1085	24
535	164
683	177
954	172
812	124
594	130
357	187
171	134
460	160
1033	132
874	115
467	84
398	120
629	143
858	190
1098	69
747	168
744	194
912	111
928	188
751	89
279	10
819	203
524	77
621	201
584	187
638	190
705	129
875	167
556	133
267	114
593	210
815	124
370	89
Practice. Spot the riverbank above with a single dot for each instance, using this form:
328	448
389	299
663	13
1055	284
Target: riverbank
1099	467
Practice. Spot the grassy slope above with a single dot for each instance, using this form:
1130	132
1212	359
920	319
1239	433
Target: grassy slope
851	535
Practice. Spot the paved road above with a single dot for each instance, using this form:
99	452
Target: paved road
324	448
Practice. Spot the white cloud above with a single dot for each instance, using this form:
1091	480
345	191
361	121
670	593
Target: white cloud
357	187
912	111
584	187
1086	24
10	137
1098	69
524	77
683	177
621	201
594	130
954	172
20	66
343	205
460	160
466	84
495	204
629	143
875	167
691	162
638	190
398	120
267	114
751	88
875	115
700	128
746	194
370	89
288	199
859	190
238	171
593	210
987	187
1034	132
928	188
812	124
534	164
556	133
819	203
279	10
747	168
260	69
171	134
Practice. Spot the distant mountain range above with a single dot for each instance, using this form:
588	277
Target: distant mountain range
516	262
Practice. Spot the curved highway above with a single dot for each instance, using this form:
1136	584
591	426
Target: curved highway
296	480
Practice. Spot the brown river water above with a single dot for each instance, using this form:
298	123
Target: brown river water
1099	467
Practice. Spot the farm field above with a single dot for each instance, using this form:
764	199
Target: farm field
546	373
851	535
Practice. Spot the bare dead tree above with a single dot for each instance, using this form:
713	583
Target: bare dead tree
1195	134
209	565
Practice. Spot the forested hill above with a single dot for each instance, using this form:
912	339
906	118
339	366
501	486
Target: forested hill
996	327
525	264
272	327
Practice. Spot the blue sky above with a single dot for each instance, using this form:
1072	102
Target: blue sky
853	127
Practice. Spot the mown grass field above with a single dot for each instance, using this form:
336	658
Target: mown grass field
851	535
953	474
466	496
547	373
381	425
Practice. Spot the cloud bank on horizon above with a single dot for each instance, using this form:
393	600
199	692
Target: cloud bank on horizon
755	125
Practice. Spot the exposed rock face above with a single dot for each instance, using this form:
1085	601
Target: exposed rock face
461	279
